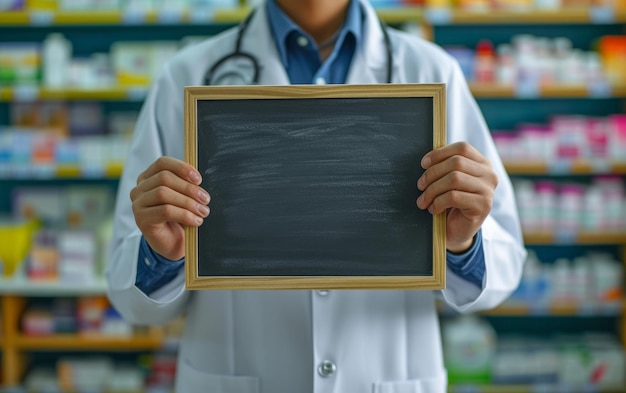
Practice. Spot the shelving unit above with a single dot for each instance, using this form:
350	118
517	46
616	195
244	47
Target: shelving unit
15	346
531	389
13	293
111	170
438	16
138	93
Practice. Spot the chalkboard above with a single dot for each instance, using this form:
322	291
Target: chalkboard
314	186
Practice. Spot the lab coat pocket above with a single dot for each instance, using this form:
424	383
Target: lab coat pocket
430	385
191	380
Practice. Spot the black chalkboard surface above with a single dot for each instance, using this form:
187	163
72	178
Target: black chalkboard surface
314	186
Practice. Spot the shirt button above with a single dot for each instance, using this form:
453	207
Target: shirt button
320	81
322	292
303	41
326	368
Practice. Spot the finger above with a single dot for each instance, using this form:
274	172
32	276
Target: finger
469	203
166	196
178	167
453	181
156	215
172	181
456	163
459	148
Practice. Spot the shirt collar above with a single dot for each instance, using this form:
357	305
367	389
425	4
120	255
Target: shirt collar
282	26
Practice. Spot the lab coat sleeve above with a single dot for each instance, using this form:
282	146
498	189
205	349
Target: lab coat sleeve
149	143
502	238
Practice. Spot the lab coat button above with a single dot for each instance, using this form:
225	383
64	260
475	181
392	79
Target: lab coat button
303	41
322	292
326	368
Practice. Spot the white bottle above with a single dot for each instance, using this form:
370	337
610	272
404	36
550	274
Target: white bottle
56	56
469	349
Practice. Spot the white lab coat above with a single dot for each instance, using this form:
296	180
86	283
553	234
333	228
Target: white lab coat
274	341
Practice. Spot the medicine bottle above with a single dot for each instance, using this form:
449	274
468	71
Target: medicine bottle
56	57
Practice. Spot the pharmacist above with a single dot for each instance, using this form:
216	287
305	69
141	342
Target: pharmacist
310	341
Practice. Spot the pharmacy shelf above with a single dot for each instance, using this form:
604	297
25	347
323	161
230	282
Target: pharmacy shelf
111	170
597	237
115	17
138	93
482	90
389	15
84	342
582	15
234	15
114	170
22	286
524	309
558	309
534	389
34	93
16	344
567	167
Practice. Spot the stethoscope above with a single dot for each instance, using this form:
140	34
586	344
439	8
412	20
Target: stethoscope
238	77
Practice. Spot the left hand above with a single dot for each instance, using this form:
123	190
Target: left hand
459	179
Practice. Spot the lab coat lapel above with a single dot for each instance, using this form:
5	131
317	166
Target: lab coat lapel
369	64
263	48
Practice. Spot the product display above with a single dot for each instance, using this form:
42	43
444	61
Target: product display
592	361
475	354
542	61
73	74
570	208
592	283
598	140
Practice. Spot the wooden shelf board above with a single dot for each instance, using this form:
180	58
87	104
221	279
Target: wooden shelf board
490	90
523	309
89	342
619	167
14	18
461	388
130	93
116	93
617	237
235	15
577	167
21	286
87	18
111	170
114	17
400	14
526	168
557	309
561	16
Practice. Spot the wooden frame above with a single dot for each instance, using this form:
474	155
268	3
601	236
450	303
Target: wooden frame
301	98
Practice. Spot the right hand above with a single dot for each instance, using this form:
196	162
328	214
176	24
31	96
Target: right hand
167	198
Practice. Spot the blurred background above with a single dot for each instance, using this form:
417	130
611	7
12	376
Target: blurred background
549	75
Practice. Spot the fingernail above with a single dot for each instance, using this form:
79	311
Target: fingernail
203	210
199	221
431	209
204	196
420	200
420	183
195	177
425	162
